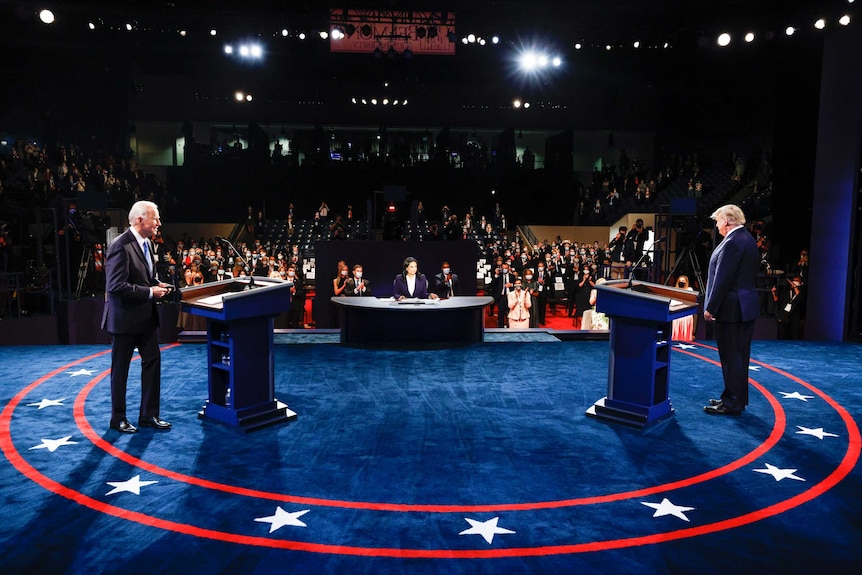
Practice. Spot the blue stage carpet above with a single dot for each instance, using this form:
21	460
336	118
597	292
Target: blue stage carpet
474	459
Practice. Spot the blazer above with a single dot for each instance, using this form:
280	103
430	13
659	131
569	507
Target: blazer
128	305
350	289
420	290
731	293
442	290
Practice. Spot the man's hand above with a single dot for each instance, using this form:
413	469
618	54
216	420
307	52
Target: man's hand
161	290
708	316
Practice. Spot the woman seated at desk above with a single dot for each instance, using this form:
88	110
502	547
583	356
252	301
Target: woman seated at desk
410	283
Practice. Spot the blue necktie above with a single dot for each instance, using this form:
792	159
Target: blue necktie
148	258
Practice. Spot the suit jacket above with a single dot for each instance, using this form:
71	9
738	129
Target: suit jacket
350	289
731	293
496	287
420	290
442	290
128	306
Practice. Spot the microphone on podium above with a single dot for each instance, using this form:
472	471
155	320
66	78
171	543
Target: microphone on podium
242	259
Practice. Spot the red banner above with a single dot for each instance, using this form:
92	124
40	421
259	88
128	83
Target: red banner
363	31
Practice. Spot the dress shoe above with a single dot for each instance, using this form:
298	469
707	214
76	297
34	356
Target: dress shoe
124	427
721	409
715	402
153	422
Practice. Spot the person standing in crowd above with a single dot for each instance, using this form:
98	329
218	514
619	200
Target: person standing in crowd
131	317
789	307
500	287
731	305
410	283
357	286
339	282
447	284
519	306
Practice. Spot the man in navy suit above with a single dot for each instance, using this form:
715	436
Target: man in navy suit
130	316
732	304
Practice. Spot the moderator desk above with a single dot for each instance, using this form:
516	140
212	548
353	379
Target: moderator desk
369	320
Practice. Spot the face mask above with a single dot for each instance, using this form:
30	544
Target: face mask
344	272
446	271
291	274
518	288
529	277
523	258
541	269
358	275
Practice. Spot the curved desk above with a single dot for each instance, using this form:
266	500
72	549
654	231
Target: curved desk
375	321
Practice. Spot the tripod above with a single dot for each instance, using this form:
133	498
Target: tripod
83	270
686	256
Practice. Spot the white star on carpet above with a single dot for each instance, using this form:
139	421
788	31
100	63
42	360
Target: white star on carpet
753	368
133	485
47	403
779	473
81	372
53	444
487	529
668	508
796	395
282	518
818	433
686	346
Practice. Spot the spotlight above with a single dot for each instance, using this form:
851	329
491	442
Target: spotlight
248	98
543	61
482	42
394	102
239	96
284	32
578	46
213	32
353	100
129	27
373	101
323	34
256	51
364	102
790	30
432	32
464	40
820	24
404	102
526	105
723	39
749	37
385	101
46	16
608	47
471	38
244	51
637	44
228	49
421	32
183	33
557	61
91	26
529	61
845	20
302	35
516	104
337	33
495	40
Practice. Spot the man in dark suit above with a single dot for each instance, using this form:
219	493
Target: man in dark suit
501	285
447	284
357	286
732	304
130	316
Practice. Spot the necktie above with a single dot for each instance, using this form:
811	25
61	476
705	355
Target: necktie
147	257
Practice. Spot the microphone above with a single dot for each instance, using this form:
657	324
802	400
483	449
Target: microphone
242	259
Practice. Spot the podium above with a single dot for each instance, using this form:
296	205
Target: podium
639	365
240	349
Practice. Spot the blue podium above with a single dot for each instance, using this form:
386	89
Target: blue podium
240	349
641	316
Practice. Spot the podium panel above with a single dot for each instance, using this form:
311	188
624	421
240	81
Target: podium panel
641	318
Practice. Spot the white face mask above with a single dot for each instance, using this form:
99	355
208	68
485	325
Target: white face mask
358	275
291	274
446	271
529	277
344	272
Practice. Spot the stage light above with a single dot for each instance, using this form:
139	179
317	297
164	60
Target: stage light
302	35
183	33
353	100
284	32
790	30
337	33
724	39
557	61
248	98
844	20
385	101
364	102
213	32
608	47
482	42
471	38
228	49
244	51
256	51
394	102
404	103
91	26
373	101
464	40
495	40
323	34
239	96
636	45
578	46
749	37
528	61
666	45
516	104
46	16
129	27
526	105
543	61
820	24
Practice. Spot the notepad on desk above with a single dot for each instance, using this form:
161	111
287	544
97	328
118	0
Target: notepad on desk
215	300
